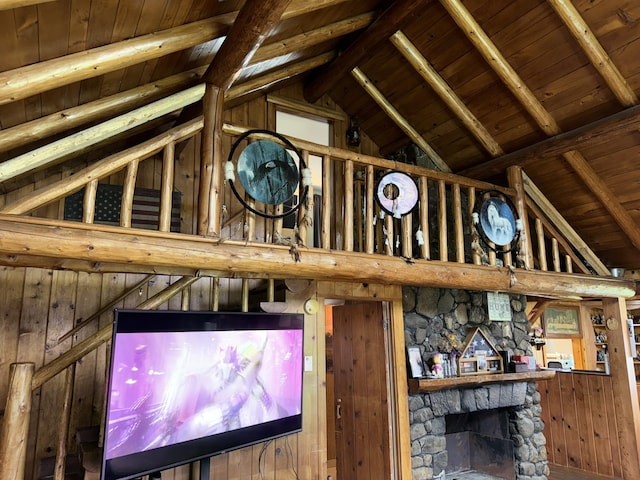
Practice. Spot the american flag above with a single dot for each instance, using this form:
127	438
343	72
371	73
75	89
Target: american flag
145	213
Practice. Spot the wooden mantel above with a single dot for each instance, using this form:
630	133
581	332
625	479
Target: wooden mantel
425	385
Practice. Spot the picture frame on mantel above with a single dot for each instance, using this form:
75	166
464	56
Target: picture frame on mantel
561	321
415	363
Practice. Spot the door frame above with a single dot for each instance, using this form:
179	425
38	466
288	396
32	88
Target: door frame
398	397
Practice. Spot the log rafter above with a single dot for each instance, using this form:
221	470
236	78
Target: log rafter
541	116
445	92
398	119
389	21
597	55
250	29
592	134
37	78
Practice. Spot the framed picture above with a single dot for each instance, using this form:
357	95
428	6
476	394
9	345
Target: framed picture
561	321
416	366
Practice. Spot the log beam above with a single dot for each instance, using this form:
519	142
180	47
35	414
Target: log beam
623	382
398	119
251	27
9	4
445	92
43	76
597	55
15	428
590	135
312	37
392	19
98	110
245	259
48	155
562	225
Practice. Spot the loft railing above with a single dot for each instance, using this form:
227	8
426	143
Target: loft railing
346	215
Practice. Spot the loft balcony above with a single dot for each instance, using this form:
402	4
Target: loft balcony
166	217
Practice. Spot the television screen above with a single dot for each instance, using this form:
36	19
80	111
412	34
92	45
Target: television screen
189	385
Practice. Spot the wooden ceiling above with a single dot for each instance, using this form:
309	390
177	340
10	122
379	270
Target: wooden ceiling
482	84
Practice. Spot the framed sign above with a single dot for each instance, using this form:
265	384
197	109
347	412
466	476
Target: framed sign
562	321
499	307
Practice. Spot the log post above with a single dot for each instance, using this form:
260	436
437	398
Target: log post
457	222
425	247
209	208
13	441
623	381
348	206
369	237
65	420
442	221
166	192
516	182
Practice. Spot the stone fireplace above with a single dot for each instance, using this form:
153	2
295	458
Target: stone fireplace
450	426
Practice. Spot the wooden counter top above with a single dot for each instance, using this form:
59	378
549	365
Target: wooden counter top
424	385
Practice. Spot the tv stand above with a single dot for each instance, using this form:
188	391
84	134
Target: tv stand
205	468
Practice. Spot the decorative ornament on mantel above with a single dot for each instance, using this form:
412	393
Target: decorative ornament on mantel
537	338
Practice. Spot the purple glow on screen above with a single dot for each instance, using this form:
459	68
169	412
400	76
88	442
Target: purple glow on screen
170	387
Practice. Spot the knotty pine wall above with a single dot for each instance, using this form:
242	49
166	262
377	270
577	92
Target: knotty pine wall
578	410
38	306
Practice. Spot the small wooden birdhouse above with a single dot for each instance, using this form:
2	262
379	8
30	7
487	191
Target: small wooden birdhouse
479	355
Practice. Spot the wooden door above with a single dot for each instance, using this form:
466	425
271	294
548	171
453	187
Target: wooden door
360	398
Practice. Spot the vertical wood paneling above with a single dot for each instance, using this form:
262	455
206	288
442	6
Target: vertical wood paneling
11	287
570	421
610	402
600	426
585	423
87	303
579	412
31	347
59	321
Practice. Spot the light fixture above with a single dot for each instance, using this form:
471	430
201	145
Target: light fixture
353	133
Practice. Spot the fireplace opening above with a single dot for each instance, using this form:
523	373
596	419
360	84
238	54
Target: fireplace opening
479	445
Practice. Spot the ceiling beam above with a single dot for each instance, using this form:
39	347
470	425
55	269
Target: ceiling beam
40	77
283	73
158	250
445	92
49	154
391	20
9	4
595	133
398	119
312	37
250	29
97	110
597	55
543	118
478	37
302	7
608	199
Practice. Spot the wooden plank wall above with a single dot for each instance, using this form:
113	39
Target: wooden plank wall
37	306
578	410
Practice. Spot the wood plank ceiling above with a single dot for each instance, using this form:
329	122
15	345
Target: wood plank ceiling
478	84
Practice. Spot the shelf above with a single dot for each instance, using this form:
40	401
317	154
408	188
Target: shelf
424	385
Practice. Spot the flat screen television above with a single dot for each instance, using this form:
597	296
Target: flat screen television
185	386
